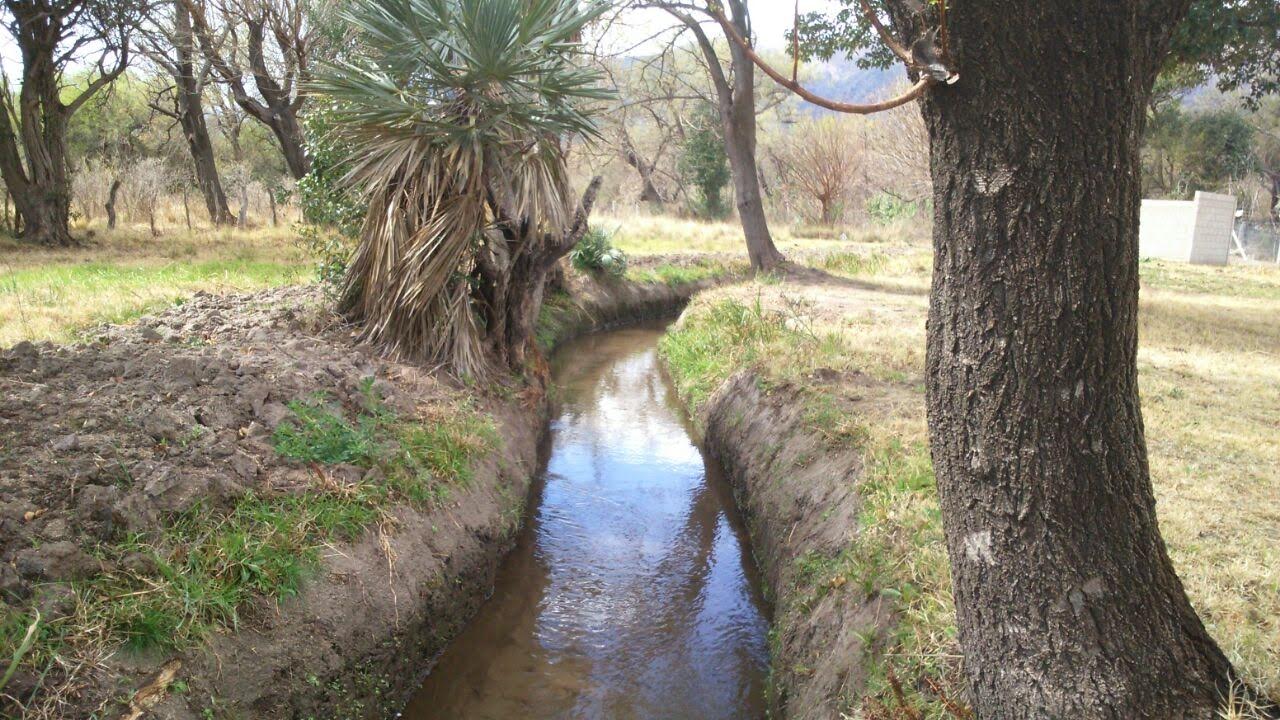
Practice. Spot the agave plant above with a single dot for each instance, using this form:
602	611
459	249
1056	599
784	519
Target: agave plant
458	111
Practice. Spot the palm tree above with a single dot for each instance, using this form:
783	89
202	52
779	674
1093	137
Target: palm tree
459	111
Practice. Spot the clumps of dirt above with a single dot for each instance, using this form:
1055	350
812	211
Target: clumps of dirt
146	420
112	438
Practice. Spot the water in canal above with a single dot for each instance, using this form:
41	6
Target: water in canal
630	594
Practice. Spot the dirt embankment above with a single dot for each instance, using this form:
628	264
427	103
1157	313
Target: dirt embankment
800	499
109	441
592	304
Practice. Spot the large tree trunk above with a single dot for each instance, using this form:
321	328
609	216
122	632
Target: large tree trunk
739	119
191	116
45	220
33	154
511	286
42	187
1067	602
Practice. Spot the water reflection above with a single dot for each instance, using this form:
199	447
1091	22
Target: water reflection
629	594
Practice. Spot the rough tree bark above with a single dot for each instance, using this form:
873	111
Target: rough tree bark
514	279
1067	602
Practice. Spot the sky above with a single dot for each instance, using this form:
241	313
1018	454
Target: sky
769	18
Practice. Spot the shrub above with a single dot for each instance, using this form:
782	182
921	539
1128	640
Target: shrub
331	214
704	165
886	209
596	253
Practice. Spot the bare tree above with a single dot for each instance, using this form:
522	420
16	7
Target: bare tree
270	42
52	35
735	99
647	123
899	142
1266	151
170	44
825	159
147	181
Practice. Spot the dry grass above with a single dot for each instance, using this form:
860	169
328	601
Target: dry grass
1209	366
50	294
662	235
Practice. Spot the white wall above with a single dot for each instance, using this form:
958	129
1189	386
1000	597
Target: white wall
1215	215
1196	231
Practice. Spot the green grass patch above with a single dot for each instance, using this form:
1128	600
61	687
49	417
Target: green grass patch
898	555
53	301
854	264
717	339
674	274
317	433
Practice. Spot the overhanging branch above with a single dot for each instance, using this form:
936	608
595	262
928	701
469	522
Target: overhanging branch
792	84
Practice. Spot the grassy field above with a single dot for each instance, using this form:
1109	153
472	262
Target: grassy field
640	235
1210	385
50	294
124	273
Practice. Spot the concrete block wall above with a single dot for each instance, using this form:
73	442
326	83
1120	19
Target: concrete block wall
1195	231
1215	216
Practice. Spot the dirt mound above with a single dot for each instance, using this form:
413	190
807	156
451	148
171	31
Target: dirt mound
111	439
106	437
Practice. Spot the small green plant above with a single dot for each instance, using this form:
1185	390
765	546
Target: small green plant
24	647
318	433
596	253
332	252
885	209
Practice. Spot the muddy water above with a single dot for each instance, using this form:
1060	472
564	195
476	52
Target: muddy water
629	594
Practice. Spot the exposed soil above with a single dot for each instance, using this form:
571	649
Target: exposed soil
142	421
798	496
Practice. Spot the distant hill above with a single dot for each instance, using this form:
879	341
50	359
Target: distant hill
841	79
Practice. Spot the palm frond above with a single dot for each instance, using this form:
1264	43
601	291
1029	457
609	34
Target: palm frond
452	102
